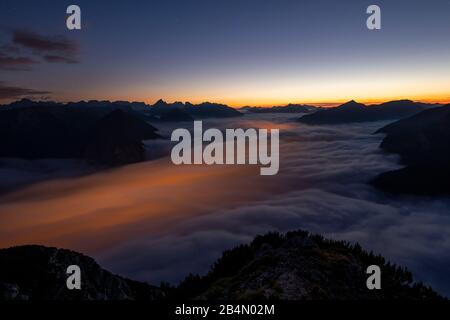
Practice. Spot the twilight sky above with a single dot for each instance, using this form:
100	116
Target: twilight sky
232	51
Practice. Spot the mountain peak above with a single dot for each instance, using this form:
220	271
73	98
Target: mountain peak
352	104
160	103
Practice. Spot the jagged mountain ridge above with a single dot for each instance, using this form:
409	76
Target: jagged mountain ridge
196	111
160	111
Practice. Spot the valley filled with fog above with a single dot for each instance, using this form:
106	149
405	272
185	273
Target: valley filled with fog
155	221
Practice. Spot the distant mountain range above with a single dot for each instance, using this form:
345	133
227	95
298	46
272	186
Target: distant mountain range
160	111
188	111
102	132
353	111
348	112
295	266
290	108
423	143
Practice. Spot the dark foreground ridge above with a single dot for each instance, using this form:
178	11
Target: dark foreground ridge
423	143
300	266
295	266
39	273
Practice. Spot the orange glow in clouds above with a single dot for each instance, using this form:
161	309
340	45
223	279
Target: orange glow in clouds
91	213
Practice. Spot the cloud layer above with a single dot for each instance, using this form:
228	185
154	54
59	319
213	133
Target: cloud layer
157	222
321	188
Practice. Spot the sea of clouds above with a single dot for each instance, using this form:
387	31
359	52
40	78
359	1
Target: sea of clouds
322	188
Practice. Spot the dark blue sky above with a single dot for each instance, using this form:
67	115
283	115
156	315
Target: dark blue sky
232	51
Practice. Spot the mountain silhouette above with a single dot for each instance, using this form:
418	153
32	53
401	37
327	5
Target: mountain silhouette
290	108
300	266
39	273
423	143
96	134
353	111
196	111
173	114
160	111
117	139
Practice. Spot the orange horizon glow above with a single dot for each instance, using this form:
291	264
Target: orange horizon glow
234	103
445	99
438	99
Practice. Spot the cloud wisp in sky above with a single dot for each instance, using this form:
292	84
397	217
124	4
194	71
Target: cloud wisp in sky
11	63
52	48
27	48
13	92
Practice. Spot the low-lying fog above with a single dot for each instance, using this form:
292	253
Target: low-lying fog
157	222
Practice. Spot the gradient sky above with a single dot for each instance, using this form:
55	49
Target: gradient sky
240	52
